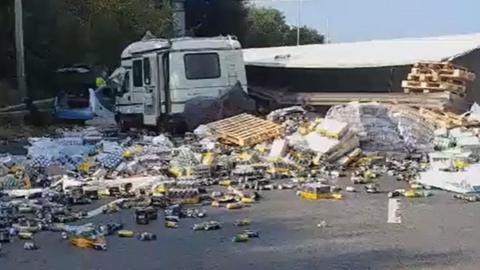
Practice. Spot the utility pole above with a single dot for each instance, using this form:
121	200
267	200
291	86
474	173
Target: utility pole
21	77
178	10
299	12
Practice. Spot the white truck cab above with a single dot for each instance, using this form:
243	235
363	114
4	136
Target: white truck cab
161	75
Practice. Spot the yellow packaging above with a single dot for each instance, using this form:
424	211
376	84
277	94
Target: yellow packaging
233	206
85	167
207	158
303	130
225	183
411	194
247	200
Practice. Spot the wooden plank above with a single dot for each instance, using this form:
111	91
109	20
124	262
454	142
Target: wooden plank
431	91
442	100
446	86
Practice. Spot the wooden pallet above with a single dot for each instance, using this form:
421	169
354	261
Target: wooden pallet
442	119
436	65
434	86
434	78
245	130
439	66
456	74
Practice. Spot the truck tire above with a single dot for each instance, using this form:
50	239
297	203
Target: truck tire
122	125
176	125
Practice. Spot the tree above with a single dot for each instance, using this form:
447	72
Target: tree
7	42
94	32
206	18
267	27
307	36
64	32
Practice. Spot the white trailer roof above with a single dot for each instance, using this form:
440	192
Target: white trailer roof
376	53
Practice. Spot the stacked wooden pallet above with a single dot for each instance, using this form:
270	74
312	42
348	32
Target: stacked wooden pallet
245	130
430	77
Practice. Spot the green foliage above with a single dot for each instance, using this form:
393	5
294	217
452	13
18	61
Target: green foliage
64	32
206	18
267	27
94	32
307	36
7	46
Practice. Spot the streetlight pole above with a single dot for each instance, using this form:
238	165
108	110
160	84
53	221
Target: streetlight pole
21	77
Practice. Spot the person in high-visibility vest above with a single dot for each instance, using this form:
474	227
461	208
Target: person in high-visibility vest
100	81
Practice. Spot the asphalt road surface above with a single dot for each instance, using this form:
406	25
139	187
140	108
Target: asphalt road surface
437	232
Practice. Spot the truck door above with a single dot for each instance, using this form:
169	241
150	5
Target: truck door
231	67
194	74
145	87
162	82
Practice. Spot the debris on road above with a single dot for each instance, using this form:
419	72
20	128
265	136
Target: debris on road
125	233
322	224
240	238
30	246
229	164
146	236
242	222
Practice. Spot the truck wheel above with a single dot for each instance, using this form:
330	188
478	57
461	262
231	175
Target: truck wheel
122	124
263	106
173	125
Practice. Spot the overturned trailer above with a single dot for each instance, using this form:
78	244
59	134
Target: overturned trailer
330	74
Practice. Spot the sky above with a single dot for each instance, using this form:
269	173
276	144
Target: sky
358	20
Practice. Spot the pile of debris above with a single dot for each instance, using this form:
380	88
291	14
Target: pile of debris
221	164
455	164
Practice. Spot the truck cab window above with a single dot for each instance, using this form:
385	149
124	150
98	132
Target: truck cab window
147	74
137	73
200	66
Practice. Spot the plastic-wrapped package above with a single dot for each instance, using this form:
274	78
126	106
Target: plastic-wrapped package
386	128
162	140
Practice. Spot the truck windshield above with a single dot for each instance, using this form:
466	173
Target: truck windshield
202	66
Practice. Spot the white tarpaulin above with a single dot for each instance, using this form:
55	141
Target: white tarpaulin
466	181
376	53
